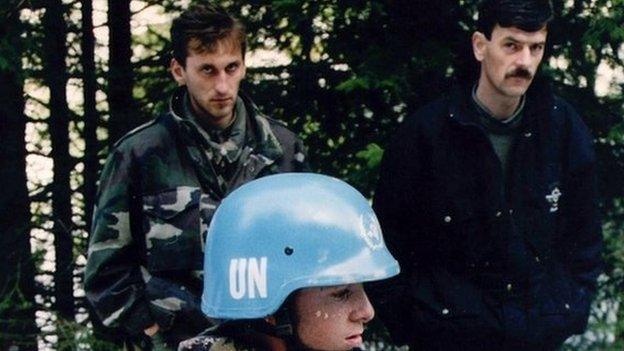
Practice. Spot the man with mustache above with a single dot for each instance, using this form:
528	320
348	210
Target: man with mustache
487	197
163	182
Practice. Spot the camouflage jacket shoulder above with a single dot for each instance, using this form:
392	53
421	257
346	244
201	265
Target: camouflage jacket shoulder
154	134
136	130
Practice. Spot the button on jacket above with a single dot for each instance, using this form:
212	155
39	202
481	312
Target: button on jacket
156	198
489	263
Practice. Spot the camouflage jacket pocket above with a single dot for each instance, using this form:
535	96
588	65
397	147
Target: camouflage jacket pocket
172	230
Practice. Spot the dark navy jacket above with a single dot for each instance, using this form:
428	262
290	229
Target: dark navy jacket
488	264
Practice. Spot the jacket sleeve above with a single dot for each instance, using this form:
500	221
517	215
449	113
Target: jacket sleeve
581	233
113	279
295	158
392	297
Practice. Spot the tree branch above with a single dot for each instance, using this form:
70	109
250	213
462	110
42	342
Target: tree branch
38	153
37	100
41	194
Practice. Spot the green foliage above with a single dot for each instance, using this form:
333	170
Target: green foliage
372	155
7	55
353	84
16	313
79	336
10	47
606	326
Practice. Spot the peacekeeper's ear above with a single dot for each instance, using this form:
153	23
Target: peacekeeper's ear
479	43
177	71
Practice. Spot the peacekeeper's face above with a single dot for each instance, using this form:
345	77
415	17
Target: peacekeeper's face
212	79
332	318
509	60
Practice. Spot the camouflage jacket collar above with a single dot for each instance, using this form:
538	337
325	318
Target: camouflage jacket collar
223	145
266	143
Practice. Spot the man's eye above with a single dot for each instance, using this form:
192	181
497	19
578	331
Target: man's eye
511	46
342	294
537	47
207	70
231	68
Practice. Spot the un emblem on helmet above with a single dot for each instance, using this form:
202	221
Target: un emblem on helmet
371	231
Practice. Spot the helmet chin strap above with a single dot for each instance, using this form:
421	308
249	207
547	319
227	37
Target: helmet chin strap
281	325
285	327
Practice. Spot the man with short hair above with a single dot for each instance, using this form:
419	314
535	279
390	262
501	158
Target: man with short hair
487	197
163	181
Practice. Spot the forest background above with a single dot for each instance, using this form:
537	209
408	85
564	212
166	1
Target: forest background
75	75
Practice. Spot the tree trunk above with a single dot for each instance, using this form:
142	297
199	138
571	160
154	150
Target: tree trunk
91	117
55	52
91	121
17	290
123	112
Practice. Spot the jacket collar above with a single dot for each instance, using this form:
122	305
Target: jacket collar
539	103
267	143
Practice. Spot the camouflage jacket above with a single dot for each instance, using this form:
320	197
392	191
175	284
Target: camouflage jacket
155	200
210	343
222	343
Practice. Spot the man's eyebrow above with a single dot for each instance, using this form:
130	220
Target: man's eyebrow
510	38
515	40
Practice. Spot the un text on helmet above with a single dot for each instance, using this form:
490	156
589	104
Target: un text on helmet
248	276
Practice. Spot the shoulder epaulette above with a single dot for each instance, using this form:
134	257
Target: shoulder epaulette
135	131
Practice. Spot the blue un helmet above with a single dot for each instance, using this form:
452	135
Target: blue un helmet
285	232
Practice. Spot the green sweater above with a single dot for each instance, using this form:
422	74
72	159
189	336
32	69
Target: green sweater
502	133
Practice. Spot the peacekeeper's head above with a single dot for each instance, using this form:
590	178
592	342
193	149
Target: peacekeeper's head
509	43
286	257
209	59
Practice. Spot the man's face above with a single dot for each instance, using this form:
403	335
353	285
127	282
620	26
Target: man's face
509	60
212	79
332	318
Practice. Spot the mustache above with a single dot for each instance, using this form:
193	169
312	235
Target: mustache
520	73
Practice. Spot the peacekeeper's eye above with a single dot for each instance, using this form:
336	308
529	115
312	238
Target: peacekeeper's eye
342	294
